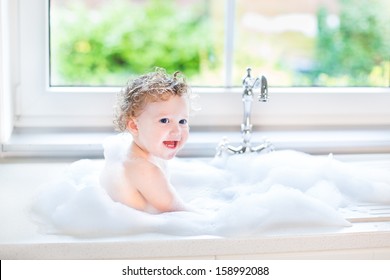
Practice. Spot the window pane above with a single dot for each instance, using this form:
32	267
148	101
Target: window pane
314	43
293	43
104	42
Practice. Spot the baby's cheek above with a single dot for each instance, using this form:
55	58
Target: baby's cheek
185	136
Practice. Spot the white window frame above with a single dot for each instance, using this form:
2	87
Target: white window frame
38	105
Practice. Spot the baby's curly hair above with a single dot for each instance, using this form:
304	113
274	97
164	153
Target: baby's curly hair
151	87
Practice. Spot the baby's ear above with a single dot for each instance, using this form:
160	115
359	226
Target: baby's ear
132	126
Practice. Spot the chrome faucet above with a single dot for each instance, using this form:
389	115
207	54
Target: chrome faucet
249	84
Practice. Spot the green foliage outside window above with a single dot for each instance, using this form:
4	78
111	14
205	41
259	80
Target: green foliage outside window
89	47
357	51
95	48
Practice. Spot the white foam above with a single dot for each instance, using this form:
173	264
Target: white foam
237	195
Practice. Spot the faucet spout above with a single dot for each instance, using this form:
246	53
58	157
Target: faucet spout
263	96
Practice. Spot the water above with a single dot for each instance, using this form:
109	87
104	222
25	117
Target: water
240	195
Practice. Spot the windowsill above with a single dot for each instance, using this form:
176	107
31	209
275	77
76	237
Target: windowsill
88	143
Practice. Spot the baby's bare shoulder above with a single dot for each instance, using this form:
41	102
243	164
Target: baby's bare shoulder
142	167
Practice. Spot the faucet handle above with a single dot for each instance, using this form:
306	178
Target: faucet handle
248	72
247	80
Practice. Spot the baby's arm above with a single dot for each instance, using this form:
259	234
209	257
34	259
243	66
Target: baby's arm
153	185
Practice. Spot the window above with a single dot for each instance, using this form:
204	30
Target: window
315	43
108	41
46	99
299	43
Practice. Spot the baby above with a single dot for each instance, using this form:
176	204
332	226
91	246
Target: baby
154	109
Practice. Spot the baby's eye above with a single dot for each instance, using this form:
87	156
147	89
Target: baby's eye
164	120
183	121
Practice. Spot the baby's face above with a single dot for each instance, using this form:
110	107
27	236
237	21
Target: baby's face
163	127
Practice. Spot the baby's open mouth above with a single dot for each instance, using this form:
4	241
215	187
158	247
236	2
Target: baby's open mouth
171	144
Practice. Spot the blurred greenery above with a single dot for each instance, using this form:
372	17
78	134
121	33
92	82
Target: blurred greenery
106	45
105	48
357	51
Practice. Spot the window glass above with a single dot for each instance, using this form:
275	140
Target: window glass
293	43
315	43
103	42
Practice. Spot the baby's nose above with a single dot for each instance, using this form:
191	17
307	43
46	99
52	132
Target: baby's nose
175	129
